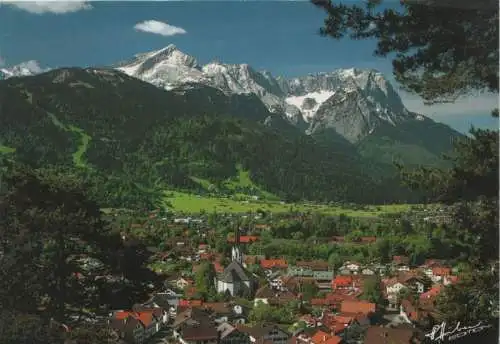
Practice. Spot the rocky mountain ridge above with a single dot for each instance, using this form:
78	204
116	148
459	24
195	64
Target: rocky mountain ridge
353	102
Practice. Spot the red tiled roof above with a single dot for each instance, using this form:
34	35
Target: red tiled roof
342	281
321	337
319	302
145	317
183	303
343	319
368	239
383	335
357	307
244	239
190	303
218	267
338	297
334	340
273	263
206	256
431	293
195	303
441	271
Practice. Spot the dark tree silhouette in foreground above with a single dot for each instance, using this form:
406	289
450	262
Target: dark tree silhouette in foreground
441	49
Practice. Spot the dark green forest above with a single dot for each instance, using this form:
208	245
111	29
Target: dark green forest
129	141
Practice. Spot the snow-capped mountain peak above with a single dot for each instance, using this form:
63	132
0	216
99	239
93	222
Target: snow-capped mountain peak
27	68
165	67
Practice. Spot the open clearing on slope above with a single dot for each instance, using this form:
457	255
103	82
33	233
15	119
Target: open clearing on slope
241	185
6	150
190	203
78	159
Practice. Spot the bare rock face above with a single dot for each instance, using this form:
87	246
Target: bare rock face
309	103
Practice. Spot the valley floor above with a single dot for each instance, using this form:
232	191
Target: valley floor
191	203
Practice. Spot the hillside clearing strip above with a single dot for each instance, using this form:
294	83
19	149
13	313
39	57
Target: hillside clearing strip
6	150
78	155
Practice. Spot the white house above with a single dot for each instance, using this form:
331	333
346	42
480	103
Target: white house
403	268
367	271
353	267
393	287
182	283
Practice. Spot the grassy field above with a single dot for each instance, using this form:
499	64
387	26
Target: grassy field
6	150
78	155
190	203
239	182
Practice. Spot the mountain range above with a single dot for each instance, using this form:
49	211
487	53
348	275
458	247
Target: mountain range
162	121
352	101
346	106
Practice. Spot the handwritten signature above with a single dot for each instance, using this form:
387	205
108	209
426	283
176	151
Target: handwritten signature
439	332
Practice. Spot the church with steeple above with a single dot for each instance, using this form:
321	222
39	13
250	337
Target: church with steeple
236	254
235	279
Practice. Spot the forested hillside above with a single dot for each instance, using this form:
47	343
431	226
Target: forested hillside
131	141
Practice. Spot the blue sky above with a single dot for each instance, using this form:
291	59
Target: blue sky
277	36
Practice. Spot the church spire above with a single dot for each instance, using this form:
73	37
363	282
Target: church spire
236	255
237	234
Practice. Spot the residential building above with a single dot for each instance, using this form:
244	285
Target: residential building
387	335
229	334
273	264
321	337
138	326
195	326
229	312
273	296
266	333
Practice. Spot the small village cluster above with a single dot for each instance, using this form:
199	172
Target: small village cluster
335	312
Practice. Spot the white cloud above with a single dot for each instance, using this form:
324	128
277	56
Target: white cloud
159	28
41	7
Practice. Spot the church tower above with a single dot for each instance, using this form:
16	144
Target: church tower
236	255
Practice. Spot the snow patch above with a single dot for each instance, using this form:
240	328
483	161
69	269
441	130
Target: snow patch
129	70
320	97
348	73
